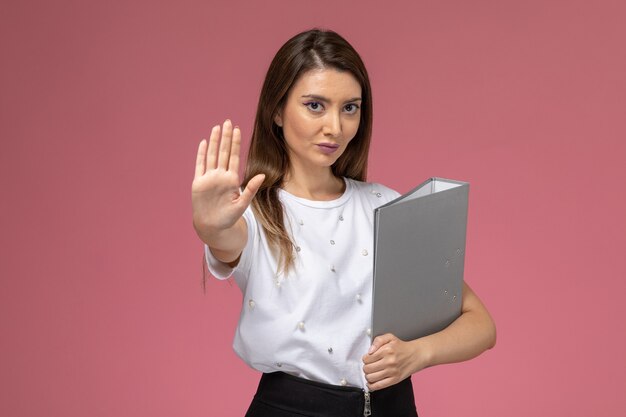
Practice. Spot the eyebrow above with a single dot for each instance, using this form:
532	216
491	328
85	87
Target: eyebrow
322	98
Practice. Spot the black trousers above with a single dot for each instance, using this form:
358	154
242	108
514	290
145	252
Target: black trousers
283	395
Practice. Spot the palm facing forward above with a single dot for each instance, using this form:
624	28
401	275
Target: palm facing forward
216	200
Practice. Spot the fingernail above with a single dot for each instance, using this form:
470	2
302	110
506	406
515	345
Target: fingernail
227	120
371	349
236	127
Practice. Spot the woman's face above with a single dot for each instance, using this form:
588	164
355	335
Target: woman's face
320	117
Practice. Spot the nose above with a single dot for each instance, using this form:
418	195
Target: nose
332	124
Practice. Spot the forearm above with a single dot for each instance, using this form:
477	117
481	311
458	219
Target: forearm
225	244
467	337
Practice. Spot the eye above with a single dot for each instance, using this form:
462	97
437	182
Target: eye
314	106
351	108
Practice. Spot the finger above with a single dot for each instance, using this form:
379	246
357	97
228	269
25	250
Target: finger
233	164
370	368
211	155
251	189
374	357
375	377
201	158
382	353
380	341
384	383
224	153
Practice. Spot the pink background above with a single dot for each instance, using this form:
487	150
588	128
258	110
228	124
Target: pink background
102	106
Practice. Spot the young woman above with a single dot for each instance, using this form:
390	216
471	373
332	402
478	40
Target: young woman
297	238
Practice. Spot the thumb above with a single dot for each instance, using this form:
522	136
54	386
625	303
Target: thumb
251	189
379	341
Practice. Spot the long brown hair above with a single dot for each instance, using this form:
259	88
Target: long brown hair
312	49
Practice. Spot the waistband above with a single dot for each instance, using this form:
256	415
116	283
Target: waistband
317	399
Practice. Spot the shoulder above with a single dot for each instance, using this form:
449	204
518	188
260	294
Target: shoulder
374	189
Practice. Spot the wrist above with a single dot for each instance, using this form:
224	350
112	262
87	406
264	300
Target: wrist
227	241
207	231
422	354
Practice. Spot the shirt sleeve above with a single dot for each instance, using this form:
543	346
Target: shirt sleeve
223	271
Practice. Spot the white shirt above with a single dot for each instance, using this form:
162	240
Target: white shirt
315	322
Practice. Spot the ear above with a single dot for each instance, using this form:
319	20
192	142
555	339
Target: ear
278	119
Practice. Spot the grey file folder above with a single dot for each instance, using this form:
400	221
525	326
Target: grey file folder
419	253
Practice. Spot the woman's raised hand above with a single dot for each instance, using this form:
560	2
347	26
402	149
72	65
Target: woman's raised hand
216	200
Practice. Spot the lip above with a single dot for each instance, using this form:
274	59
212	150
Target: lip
328	148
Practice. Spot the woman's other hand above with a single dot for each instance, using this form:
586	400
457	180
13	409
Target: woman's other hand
391	360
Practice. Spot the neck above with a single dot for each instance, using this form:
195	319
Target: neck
321	185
